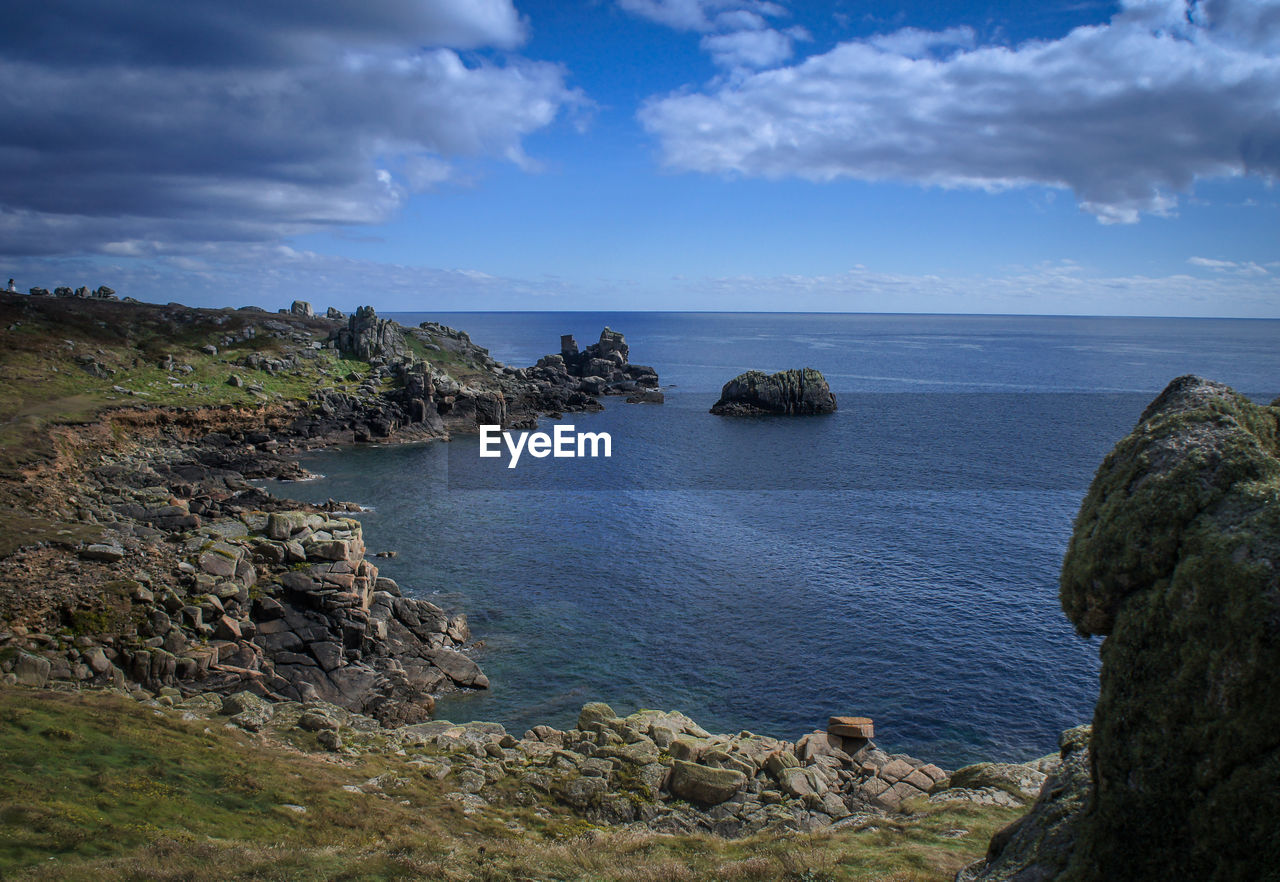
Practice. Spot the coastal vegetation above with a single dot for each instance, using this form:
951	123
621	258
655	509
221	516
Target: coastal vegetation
99	786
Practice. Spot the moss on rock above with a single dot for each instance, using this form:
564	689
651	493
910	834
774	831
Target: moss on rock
1175	557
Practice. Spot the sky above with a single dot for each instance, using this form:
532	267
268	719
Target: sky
991	156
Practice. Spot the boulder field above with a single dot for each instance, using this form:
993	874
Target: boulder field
281	604
655	771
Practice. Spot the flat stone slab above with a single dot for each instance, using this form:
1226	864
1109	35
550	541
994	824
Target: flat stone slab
851	727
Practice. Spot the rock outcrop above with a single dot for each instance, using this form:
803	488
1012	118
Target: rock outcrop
791	392
191	579
366	336
664	771
1175	559
281	604
1039	845
602	368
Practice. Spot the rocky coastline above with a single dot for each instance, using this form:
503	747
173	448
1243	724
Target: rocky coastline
169	574
138	560
187	587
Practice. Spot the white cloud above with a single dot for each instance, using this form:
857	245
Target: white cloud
1240	268
250	124
704	15
1127	115
762	48
737	32
917	43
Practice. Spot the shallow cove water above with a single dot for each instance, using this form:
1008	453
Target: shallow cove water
897	559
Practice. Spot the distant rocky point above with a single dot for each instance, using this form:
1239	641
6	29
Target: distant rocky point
791	393
602	368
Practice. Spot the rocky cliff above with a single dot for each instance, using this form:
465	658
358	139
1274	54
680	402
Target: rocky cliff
196	581
792	392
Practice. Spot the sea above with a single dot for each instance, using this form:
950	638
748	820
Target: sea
897	559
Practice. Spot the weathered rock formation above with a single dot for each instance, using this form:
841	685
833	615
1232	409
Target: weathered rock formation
281	604
600	369
367	336
1175	559
792	392
423	401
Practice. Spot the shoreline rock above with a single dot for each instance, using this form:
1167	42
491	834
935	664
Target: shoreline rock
1174	560
603	368
801	392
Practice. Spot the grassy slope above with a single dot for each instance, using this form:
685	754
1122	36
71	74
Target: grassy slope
41	382
97	786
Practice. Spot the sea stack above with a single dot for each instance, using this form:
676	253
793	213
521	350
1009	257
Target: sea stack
791	393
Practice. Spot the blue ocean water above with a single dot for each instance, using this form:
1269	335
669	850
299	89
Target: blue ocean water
897	559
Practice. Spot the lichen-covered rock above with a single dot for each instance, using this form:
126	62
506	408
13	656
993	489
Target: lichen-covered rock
31	670
248	711
1176	558
1022	780
1038	845
595	712
793	393
703	784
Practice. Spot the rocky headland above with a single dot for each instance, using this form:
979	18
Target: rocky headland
136	554
800	392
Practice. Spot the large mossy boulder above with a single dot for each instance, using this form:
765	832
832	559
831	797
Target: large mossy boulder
790	393
1175	558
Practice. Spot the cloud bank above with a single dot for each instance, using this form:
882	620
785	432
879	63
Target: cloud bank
141	126
1127	115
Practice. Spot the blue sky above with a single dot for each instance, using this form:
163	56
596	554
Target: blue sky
1059	157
